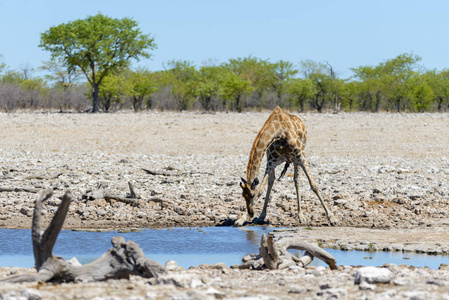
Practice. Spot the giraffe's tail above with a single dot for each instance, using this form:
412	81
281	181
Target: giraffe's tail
284	171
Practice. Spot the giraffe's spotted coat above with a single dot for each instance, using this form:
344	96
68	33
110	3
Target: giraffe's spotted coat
283	138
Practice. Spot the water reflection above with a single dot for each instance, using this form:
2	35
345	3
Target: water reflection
253	236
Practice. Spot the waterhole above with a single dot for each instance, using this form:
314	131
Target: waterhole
187	246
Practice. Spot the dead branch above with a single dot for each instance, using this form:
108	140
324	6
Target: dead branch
158	173
269	252
132	198
27	190
276	256
132	194
123	260
43	176
313	250
172	174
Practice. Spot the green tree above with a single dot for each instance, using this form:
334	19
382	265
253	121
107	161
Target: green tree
98	45
299	92
141	85
326	86
11	76
370	88
183	78
350	95
235	88
439	83
114	89
422	96
283	72
34	88
398	77
209	86
258	72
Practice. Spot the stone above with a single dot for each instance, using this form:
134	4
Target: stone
98	194
367	286
438	282
171	265
74	262
215	292
373	275
180	280
31	294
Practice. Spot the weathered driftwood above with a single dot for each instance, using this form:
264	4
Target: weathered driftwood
17	189
43	176
155	173
276	256
123	260
132	198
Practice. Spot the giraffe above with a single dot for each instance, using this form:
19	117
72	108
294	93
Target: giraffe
283	137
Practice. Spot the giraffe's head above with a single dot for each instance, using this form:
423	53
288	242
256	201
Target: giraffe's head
249	193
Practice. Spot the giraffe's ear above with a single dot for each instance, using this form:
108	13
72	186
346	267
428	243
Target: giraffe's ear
255	182
243	183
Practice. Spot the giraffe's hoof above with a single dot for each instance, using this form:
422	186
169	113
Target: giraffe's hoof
260	221
333	221
301	219
239	223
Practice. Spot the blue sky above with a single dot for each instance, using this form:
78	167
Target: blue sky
344	33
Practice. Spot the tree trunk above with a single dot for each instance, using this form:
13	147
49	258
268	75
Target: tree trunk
440	102
95	92
137	103
378	98
238	106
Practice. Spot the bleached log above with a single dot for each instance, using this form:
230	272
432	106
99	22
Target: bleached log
315	251
121	261
276	256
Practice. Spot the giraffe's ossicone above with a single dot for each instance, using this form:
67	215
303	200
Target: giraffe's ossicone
283	138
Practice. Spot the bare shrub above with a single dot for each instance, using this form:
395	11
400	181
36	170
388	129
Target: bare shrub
10	96
163	100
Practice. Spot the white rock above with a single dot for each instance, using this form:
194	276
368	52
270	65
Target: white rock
373	275
171	265
74	262
180	280
31	294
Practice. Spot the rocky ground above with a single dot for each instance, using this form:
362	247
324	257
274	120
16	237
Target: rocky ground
384	176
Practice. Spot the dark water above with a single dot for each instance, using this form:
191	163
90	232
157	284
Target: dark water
187	246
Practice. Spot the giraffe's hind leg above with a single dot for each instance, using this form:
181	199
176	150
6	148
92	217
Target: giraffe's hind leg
305	166
298	194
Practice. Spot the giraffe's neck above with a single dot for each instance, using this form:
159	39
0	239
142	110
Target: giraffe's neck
269	131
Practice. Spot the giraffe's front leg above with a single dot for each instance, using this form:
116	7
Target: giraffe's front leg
263	214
